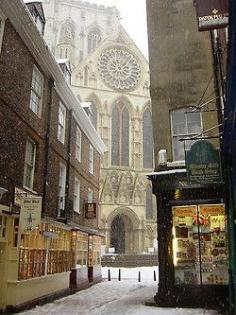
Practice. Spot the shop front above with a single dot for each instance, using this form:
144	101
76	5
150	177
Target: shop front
86	260
193	241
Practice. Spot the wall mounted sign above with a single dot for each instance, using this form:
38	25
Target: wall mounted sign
30	213
203	163
212	14
90	210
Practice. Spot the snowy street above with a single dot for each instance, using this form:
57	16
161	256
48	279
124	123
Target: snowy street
115	298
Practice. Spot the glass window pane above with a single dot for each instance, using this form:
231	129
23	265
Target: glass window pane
194	123
179	122
178	149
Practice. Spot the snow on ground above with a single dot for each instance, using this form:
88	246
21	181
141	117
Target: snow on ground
126	297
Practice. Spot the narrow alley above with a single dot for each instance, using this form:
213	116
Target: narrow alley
114	297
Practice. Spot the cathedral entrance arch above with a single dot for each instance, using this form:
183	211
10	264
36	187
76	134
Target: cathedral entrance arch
124	231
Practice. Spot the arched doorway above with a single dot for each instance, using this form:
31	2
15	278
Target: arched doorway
118	234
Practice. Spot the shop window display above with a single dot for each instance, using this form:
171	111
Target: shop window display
80	249
40	255
200	244
94	250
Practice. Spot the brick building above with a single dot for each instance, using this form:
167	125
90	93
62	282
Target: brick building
49	149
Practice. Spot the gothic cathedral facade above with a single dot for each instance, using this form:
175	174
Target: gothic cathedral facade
111	74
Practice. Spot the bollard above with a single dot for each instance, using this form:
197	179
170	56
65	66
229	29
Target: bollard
154	274
119	275
109	275
139	276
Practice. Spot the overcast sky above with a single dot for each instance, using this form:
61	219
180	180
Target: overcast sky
133	14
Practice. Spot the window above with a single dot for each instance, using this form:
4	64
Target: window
78	144
61	189
200	245
77	195
90	195
94	38
90	159
29	166
120	136
2	24
36	97
149	207
147	140
61	123
184	123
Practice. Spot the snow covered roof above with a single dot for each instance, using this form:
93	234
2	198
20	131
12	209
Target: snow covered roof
63	60
30	1
168	172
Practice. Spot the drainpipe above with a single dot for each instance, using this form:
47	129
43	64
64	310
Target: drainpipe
68	166
216	66
47	145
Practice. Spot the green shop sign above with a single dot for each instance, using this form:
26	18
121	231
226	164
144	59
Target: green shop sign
203	163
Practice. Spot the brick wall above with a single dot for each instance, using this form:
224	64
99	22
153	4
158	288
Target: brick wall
18	122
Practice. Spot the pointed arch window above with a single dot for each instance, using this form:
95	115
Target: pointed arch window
149	206
120	136
94	38
147	140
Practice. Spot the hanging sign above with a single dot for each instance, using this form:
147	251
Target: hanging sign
203	163
90	210
30	213
212	14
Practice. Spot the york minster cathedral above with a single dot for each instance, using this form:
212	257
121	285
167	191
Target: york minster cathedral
110	77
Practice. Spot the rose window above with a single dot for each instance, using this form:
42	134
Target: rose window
119	69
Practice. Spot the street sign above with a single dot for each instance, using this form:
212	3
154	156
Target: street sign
212	14
203	163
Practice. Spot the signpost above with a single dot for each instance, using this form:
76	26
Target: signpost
212	14
203	163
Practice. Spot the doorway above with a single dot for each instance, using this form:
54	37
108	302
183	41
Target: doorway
118	234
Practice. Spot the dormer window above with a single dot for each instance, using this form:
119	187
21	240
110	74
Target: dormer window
36	10
66	69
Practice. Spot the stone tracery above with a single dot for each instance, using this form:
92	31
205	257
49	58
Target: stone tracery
119	69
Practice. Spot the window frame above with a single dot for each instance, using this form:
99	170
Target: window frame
61	125
76	204
91	159
78	144
37	82
182	135
2	28
28	164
